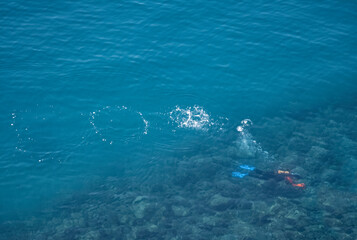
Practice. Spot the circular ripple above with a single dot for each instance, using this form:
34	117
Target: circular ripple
118	124
42	134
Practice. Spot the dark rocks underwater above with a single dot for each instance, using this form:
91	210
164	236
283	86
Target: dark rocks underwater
193	196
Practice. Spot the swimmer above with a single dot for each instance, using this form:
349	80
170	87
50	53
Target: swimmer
267	175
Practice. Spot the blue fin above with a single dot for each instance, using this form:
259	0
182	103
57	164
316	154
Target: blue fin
239	175
247	167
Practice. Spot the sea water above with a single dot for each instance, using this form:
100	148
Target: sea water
122	120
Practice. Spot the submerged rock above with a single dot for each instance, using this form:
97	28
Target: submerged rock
220	203
317	152
214	221
180	211
146	232
91	235
227	237
142	207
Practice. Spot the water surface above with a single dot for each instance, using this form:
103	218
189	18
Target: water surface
119	120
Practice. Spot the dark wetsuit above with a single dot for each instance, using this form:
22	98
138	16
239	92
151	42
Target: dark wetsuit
265	175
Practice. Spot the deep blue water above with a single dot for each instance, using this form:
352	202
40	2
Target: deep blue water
92	91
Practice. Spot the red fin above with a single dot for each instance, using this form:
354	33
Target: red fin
290	180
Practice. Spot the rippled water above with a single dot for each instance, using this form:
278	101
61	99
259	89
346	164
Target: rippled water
126	120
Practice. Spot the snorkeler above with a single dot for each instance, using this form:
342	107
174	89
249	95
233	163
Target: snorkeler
266	175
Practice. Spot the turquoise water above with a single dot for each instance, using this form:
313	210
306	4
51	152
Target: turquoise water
119	120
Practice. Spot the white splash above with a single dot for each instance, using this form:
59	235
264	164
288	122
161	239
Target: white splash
191	117
244	124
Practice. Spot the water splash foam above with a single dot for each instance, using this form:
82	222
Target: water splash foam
244	124
191	117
